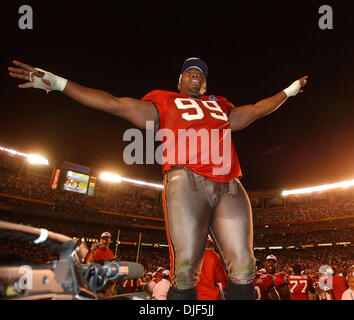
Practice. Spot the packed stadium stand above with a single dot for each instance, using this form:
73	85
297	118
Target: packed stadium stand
311	230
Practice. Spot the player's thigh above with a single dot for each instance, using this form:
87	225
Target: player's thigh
232	227
187	214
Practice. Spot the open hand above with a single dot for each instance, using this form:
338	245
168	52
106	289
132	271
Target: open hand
27	72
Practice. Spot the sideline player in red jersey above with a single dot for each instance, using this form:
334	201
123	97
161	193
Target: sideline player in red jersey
199	196
300	285
264	285
211	273
281	279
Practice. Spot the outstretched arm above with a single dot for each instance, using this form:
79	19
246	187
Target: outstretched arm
133	110
242	116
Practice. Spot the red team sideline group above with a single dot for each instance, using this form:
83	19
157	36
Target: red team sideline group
272	285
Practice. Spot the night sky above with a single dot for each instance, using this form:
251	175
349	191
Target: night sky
253	51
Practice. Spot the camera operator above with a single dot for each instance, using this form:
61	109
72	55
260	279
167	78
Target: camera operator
100	252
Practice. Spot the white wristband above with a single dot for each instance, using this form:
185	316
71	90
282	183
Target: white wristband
293	89
56	82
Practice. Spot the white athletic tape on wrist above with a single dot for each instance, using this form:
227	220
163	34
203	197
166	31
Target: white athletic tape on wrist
293	89
42	237
56	82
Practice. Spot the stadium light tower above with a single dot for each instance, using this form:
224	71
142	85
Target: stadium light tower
32	158
111	177
342	184
143	183
37	159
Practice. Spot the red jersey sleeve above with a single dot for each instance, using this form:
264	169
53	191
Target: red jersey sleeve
158	98
281	279
229	106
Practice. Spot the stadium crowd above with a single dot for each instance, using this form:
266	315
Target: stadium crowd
341	208
74	203
34	189
152	257
80	216
299	239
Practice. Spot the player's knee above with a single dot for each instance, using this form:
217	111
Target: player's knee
186	277
243	270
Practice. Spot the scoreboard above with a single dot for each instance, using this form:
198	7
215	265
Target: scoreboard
73	177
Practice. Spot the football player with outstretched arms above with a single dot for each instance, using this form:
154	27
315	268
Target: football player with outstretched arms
201	193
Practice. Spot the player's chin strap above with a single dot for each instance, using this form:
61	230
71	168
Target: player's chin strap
56	82
293	89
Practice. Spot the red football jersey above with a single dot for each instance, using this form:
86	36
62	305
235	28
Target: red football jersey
300	286
196	133
262	283
280	279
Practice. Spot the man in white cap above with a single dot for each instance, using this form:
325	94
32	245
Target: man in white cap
161	288
100	251
157	276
